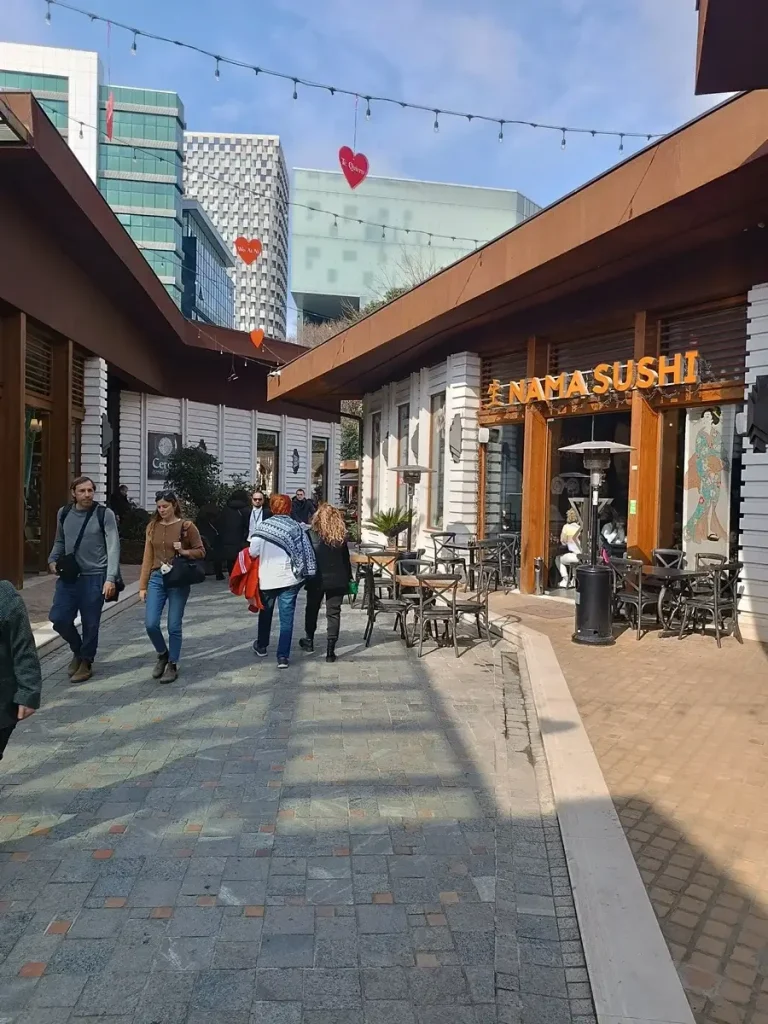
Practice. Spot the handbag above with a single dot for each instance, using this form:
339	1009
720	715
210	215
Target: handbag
184	572
67	568
352	588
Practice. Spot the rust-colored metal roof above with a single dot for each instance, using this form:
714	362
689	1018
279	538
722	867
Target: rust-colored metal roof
732	46
690	188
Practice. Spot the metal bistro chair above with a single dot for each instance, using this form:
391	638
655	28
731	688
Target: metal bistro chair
437	597
706	560
629	589
668	558
504	563
375	605
474	604
360	574
445	555
412	567
720	603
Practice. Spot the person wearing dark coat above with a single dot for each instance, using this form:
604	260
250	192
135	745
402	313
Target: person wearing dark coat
334	571
302	507
232	527
119	502
20	678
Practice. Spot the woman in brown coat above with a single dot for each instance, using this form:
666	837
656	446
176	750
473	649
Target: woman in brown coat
168	535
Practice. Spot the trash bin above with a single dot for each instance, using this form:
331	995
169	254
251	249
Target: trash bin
594	601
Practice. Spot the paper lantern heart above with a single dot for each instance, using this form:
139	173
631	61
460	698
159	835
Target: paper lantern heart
248	249
354	166
257	336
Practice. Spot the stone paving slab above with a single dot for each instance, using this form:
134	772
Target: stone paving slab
355	843
680	732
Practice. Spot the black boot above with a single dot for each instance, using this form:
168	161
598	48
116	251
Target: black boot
330	653
307	643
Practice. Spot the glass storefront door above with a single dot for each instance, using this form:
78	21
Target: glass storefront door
569	481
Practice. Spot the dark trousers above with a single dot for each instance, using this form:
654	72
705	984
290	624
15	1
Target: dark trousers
86	596
223	567
333	601
5	735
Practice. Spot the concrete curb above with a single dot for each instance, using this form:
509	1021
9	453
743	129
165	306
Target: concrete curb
630	968
48	642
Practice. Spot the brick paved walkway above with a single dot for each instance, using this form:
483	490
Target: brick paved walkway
680	729
37	593
358	843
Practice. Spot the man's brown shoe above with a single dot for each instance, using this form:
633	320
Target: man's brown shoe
73	666
171	673
83	673
162	661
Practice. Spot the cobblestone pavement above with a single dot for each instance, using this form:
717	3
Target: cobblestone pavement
359	843
680	729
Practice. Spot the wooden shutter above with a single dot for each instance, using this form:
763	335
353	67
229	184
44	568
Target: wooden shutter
719	336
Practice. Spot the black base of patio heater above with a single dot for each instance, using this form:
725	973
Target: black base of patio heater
594	601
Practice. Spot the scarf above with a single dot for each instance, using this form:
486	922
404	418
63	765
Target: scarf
289	536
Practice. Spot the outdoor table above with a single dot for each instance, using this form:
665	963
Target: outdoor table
472	546
675	584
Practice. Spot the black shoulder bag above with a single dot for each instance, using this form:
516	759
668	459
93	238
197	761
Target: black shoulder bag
184	572
67	568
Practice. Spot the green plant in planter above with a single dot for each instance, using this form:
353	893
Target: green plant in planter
391	522
194	474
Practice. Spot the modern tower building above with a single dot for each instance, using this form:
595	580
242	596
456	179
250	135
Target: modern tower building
242	182
338	263
138	170
209	292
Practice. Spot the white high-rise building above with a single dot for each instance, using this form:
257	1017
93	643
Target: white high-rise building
242	182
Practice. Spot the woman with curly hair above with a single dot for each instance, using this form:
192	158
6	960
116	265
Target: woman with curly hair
334	571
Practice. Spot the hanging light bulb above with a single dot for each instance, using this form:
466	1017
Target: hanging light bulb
563	143
621	143
336	222
430	240
501	131
80	133
367	108
383	232
436	125
217	72
295	88
133	44
48	13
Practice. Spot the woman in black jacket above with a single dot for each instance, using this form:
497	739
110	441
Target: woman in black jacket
232	526
329	539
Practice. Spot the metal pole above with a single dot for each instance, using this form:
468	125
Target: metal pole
410	514
594	521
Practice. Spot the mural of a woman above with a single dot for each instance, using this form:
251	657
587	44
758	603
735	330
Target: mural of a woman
707	467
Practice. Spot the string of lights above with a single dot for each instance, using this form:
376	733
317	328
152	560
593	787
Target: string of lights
272	197
358	94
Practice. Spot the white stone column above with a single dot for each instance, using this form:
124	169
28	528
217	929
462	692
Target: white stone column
92	462
462	399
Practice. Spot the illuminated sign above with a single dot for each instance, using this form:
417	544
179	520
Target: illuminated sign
643	374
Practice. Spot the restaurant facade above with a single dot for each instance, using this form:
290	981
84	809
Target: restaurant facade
634	311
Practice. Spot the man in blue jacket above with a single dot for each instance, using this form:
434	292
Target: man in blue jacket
20	679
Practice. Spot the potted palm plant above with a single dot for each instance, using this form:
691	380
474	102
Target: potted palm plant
391	522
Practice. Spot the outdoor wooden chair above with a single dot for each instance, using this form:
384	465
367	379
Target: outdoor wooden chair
437	598
628	593
720	603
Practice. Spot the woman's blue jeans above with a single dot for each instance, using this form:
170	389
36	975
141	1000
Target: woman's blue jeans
285	598
157	596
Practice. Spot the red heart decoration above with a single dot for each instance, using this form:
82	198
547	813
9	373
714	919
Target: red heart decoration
257	336
248	249
354	166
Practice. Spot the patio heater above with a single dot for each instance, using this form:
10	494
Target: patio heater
594	580
411	477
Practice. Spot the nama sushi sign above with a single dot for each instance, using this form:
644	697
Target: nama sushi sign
643	374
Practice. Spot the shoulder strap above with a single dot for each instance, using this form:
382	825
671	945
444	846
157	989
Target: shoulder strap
101	516
76	548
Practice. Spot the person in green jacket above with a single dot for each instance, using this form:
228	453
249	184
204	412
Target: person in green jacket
20	678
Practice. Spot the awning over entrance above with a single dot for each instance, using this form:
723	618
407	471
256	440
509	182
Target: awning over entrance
732	42
699	186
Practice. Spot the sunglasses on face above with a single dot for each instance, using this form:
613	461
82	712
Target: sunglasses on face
259	501
165	496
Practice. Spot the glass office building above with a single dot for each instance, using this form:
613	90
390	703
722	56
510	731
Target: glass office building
140	174
208	290
338	263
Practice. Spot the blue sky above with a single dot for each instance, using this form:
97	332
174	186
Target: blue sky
616	64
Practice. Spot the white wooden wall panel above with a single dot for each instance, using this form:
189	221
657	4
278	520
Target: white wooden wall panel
163	414
463	399
203	425
92	462
295	438
131	454
238	441
753	539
